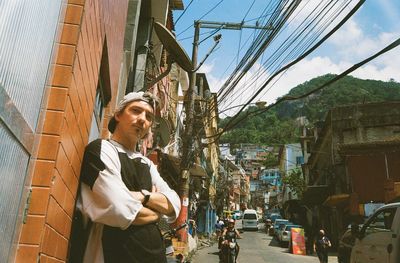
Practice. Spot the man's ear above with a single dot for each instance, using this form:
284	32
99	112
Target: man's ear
116	116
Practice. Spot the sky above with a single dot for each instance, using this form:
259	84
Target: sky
373	27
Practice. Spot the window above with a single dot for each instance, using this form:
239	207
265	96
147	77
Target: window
97	114
299	160
249	216
103	96
381	222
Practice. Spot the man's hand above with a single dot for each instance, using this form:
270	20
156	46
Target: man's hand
146	216
138	196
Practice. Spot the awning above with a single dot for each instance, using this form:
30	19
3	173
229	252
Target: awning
198	170
336	200
315	194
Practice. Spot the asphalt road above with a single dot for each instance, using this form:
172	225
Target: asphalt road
257	247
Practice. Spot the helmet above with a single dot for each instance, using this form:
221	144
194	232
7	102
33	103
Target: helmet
231	221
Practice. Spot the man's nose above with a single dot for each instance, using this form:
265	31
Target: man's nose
142	116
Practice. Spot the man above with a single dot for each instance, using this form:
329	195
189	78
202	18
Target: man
321	246
121	191
229	232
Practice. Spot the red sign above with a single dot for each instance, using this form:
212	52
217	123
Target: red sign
298	241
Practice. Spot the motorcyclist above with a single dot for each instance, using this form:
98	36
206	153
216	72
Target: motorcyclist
229	232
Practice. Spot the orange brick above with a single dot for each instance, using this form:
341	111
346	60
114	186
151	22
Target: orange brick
76	162
53	122
62	161
66	54
58	190
49	245
69	178
74	98
62	248
73	14
39	200
57	98
43	173
76	2
48	147
27	254
62	76
56	217
32	230
70	34
70	202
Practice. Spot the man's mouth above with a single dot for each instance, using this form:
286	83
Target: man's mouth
137	128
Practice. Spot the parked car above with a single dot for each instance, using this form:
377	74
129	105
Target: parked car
285	234
275	216
250	219
276	225
379	239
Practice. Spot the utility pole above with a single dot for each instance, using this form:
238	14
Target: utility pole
187	140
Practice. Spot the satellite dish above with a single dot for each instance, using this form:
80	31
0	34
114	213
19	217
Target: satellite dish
173	47
163	132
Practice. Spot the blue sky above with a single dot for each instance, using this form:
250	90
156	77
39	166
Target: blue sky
373	27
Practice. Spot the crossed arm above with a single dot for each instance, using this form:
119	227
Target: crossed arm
157	204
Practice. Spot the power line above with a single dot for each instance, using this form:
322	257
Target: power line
184	11
209	11
334	79
303	55
303	44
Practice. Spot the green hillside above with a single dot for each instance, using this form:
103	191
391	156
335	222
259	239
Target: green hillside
278	125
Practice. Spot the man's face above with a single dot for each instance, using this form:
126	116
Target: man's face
135	120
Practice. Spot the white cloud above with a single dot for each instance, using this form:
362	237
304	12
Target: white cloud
348	46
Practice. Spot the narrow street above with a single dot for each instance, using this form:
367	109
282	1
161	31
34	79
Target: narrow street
258	247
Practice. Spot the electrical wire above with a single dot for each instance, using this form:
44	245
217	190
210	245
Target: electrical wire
302	45
209	11
326	84
248	62
230	123
307	52
184	11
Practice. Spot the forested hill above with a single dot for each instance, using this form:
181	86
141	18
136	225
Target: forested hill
278	126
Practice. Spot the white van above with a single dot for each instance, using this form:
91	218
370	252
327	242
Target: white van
249	219
379	239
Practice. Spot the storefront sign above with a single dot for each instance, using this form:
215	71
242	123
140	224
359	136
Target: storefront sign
298	241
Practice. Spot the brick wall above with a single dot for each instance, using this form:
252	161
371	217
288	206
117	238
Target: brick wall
72	89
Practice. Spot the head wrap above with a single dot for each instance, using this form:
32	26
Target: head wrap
128	98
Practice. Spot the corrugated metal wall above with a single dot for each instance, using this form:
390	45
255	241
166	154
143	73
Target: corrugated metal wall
27	32
13	165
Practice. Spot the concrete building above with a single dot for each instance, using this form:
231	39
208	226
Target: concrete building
290	159
354	162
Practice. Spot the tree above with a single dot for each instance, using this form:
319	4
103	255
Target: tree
294	179
271	160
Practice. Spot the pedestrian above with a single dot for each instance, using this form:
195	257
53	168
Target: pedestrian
121	192
321	246
219	226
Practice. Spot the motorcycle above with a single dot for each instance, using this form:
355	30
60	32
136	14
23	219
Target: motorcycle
268	225
229	249
169	248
